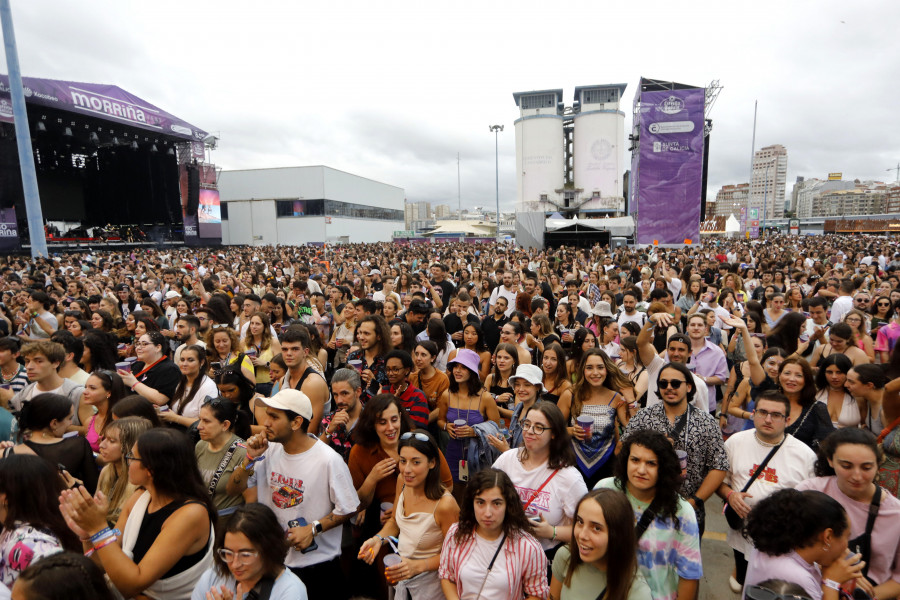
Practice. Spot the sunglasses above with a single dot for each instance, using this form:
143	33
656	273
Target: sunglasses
755	592
419	436
673	383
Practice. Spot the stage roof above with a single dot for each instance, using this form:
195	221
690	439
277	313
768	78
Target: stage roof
108	102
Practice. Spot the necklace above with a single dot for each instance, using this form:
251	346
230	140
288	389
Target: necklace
766	444
7	377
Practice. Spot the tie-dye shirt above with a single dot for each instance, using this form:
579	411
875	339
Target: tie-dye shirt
666	553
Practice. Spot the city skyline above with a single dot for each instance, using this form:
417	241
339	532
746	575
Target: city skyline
371	90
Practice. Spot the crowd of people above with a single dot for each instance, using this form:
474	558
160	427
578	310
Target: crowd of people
453	421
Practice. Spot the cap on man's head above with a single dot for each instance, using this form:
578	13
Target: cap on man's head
292	400
172	294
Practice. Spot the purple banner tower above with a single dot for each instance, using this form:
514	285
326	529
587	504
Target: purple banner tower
667	163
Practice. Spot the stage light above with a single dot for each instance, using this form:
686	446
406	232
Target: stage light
134	146
115	141
171	152
154	149
67	132
95	139
41	128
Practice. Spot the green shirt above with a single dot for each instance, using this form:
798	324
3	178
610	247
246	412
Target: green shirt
588	581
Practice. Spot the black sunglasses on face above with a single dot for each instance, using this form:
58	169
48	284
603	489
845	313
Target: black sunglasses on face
673	383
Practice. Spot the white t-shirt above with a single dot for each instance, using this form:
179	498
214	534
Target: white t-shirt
207	388
794	462
309	485
701	393
583	304
840	307
177	357
557	501
675	287
80	377
637	317
287	586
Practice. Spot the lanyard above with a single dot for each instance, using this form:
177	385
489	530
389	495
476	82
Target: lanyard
147	368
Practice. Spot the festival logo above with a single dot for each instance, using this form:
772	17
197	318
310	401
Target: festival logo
7	231
671	105
601	149
6	109
181	129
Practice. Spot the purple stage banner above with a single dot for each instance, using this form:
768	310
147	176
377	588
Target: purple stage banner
669	167
98	100
9	230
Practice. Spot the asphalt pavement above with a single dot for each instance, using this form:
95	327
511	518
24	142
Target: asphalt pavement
718	560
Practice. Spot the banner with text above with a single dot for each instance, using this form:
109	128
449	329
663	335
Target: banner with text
670	166
9	230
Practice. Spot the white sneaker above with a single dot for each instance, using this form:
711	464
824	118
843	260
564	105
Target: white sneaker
734	585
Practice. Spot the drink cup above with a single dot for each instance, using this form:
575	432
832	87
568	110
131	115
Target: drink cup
459	423
5	386
131	359
392	559
121	346
386	506
123	366
585	422
338	342
251	352
356	364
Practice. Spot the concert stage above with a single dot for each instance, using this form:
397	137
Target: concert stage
105	158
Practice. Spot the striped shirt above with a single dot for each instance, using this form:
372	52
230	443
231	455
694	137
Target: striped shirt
17	381
415	402
519	571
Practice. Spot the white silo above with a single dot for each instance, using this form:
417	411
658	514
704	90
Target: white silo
540	151
599	148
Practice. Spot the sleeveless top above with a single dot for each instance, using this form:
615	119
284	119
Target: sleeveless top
91	435
496	390
593	453
550	397
420	535
150	528
849	415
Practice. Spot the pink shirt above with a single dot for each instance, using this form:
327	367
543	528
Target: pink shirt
885	560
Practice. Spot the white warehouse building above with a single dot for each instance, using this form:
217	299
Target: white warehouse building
296	205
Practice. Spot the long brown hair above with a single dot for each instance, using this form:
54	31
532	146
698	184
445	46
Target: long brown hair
615	380
266	335
621	548
561	373
515	523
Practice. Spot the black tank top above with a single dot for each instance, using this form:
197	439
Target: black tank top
150	528
496	390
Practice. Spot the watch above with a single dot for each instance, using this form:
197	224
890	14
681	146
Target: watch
317	528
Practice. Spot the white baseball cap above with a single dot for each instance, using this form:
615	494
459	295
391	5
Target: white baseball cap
292	400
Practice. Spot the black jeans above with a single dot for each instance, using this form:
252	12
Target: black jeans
740	566
323	580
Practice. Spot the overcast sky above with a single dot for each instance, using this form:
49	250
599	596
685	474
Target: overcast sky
393	90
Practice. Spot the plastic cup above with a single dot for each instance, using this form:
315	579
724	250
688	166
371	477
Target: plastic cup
386	506
392	559
356	364
123	366
130	359
459	423
121	346
5	386
585	422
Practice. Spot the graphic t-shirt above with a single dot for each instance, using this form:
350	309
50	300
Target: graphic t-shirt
309	485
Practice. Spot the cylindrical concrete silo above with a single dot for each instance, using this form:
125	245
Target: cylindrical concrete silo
540	152
599	147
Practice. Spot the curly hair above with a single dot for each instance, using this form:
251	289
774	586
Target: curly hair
790	519
668	471
840	361
211	336
561	453
364	432
515	523
615	380
839	437
65	575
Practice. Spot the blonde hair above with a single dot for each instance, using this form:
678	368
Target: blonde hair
116	487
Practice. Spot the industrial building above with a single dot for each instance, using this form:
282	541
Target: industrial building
296	205
571	159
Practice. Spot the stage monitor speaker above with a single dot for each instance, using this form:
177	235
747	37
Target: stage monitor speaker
193	200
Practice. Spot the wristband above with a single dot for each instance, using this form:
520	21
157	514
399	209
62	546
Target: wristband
554	533
101	534
106	542
728	497
135	385
829	583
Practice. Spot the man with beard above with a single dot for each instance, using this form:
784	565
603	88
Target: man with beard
337	427
692	431
678	350
299	477
186	328
374	338
493	324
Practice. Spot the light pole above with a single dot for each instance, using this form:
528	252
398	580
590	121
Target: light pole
497	129
766	199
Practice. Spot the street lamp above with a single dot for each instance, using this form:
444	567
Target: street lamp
497	129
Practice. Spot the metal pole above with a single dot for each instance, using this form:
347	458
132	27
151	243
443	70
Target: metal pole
752	158
23	137
497	129
458	192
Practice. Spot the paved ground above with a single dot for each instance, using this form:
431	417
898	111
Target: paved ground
718	560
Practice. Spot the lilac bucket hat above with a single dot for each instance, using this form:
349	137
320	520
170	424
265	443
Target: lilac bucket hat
468	359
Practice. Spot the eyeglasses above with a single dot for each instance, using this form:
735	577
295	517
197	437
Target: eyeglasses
394	369
219	326
419	436
244	556
130	457
144	344
883	304
673	383
755	592
535	428
214	402
776	416
861	300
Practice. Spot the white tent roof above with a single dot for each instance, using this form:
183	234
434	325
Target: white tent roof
732	225
615	225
